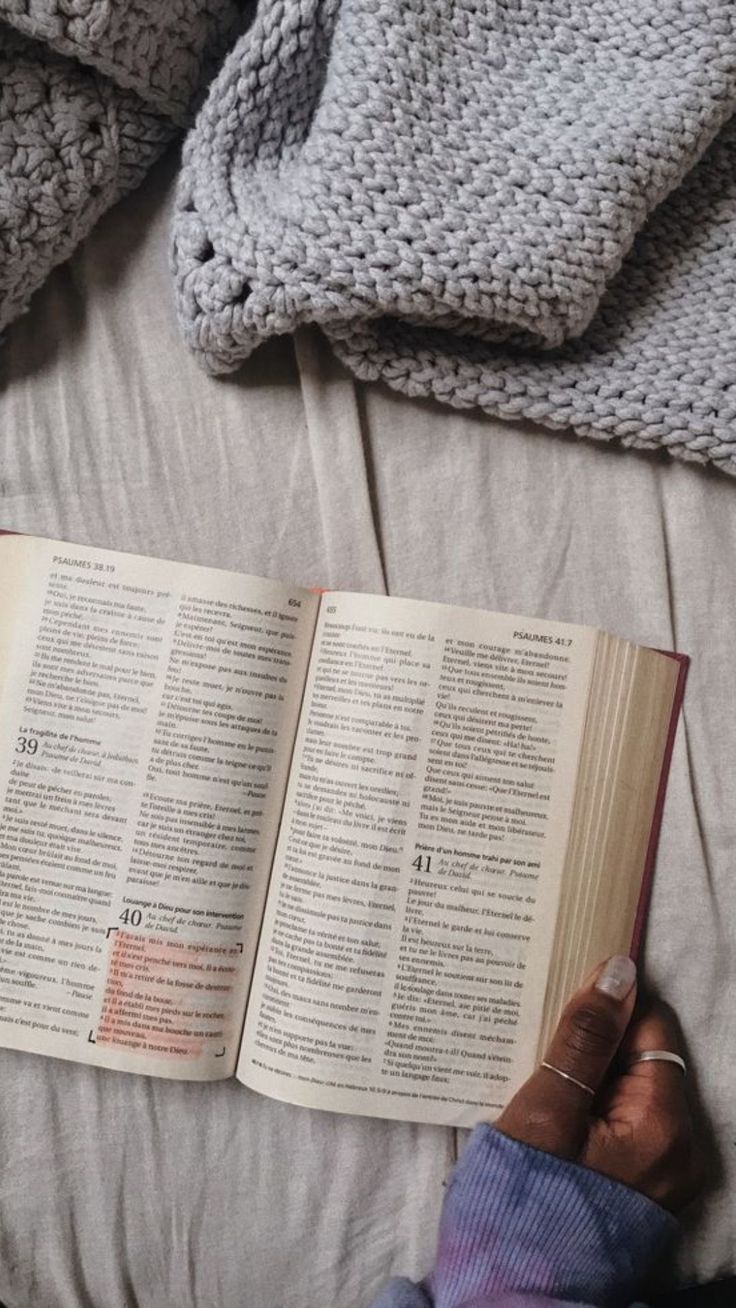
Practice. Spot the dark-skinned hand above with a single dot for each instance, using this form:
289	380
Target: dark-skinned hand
638	1128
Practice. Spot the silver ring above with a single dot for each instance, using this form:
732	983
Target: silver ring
659	1056
566	1077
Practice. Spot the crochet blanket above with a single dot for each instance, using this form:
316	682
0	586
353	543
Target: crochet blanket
523	205
91	91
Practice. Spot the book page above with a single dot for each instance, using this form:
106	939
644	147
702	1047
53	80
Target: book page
411	914
147	714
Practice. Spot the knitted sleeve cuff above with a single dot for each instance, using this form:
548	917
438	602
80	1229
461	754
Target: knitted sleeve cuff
519	1221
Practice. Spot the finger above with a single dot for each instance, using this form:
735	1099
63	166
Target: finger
636	1085
644	1133
655	1027
592	1027
552	1110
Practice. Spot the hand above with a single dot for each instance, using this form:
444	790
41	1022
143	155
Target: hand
638	1128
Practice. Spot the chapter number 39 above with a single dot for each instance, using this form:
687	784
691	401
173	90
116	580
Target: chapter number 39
26	745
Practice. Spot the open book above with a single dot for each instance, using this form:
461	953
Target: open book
353	850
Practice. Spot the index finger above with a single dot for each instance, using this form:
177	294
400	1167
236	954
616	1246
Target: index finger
655	1029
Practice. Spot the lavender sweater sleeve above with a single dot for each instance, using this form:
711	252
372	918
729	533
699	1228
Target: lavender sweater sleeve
521	1229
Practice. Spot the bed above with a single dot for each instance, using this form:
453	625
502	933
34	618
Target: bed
118	1190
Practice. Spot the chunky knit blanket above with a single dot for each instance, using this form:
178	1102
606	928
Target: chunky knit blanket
523	205
91	91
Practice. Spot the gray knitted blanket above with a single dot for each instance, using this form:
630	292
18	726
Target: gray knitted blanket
523	205
91	91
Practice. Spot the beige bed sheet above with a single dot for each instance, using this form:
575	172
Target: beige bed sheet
118	1191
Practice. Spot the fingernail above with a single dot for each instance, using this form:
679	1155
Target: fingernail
618	977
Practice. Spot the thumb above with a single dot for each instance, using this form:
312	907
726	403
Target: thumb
552	1109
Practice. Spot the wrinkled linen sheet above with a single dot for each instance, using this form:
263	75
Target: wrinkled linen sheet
117	1190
